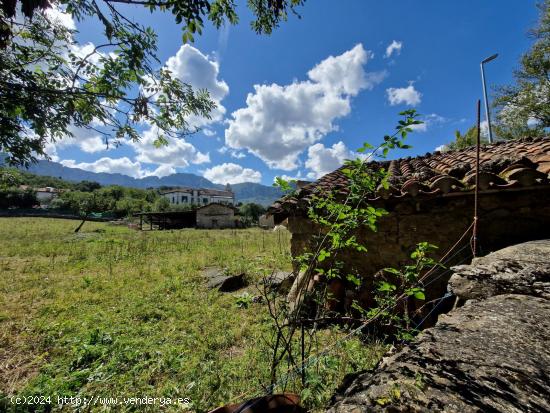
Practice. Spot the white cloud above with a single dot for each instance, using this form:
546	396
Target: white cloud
343	74
280	122
422	127
232	152
50	149
88	140
122	165
393	47
178	152
163	170
484	129
58	16
442	148
111	165
429	120
191	66
322	160
296	177
408	95
231	173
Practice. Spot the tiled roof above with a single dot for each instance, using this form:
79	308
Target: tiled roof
503	165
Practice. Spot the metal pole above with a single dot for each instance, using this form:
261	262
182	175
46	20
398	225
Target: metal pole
487	115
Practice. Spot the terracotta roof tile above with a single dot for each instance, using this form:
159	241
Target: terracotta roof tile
503	165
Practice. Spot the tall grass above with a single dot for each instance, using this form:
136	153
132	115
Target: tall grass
113	312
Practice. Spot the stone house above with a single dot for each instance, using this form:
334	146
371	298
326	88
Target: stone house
199	196
266	221
217	216
43	195
46	195
431	198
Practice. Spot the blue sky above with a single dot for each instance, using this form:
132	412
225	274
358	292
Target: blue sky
298	102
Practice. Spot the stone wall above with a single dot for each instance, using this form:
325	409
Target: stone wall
216	216
490	355
506	218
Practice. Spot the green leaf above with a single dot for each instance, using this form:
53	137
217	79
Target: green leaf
323	254
353	279
419	295
386	286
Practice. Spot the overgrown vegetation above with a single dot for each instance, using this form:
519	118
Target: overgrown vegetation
524	107
87	197
338	218
49	83
113	312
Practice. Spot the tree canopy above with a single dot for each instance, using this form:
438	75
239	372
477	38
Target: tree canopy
524	108
469	138
48	83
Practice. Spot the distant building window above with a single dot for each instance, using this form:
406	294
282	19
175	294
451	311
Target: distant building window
184	198
173	199
205	200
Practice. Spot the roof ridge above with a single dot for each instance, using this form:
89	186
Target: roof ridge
523	162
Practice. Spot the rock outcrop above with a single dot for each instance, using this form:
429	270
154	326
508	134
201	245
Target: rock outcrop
218	279
490	355
519	269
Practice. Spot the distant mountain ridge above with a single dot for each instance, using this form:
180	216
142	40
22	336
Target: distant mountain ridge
244	192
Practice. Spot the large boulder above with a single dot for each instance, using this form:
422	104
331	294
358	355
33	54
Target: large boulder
490	355
218	279
519	269
487	356
279	281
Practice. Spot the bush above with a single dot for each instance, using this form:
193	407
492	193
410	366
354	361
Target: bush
16	198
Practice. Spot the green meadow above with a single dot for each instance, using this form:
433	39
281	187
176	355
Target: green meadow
114	312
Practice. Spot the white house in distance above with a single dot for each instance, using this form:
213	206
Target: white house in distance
43	195
200	196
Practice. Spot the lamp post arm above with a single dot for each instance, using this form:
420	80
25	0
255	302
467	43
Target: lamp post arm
487	115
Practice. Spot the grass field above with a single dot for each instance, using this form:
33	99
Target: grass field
113	312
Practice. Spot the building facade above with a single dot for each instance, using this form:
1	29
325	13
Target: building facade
431	198
216	216
200	196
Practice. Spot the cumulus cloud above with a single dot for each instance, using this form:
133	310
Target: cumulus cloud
322	160
430	120
87	140
296	177
178	152
393	47
232	152
111	165
193	67
124	166
422	127
209	132
50	149
163	170
58	16
280	122
231	173
408	95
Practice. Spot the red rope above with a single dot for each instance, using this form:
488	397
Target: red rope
476	193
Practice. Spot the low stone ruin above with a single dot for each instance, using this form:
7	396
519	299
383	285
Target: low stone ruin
492	354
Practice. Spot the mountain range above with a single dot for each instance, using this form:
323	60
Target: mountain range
244	192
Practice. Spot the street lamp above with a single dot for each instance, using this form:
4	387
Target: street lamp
493	57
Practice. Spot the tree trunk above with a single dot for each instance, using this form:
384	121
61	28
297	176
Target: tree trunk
81	224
